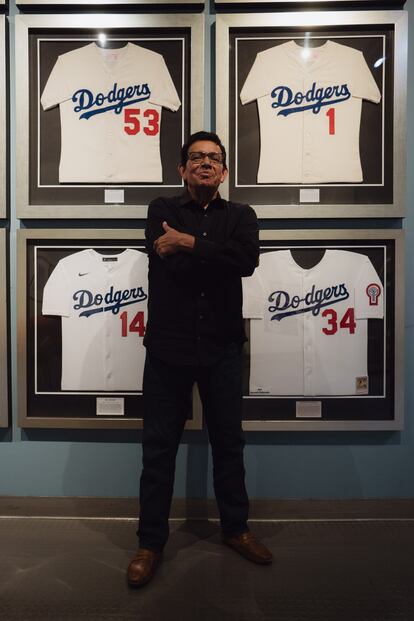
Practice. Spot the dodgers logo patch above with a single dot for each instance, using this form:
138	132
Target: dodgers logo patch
285	305
115	99
313	99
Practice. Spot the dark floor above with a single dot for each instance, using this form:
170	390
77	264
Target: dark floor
69	569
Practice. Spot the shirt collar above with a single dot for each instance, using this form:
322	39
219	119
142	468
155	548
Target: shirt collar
186	199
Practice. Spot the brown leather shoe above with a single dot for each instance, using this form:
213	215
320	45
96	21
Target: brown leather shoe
250	547
142	567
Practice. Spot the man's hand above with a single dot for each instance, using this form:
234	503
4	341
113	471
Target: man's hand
172	241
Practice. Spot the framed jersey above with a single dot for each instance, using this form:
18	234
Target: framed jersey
324	315
104	104
4	409
82	315
312	106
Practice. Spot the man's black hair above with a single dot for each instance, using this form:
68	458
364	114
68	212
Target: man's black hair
211	136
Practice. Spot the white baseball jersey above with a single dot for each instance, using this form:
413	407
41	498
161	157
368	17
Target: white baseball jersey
110	109
102	300
308	328
309	112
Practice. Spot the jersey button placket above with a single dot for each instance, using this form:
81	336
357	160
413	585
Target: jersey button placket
108	338
313	336
307	341
307	148
110	157
307	136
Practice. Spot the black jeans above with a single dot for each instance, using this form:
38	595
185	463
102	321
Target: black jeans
167	393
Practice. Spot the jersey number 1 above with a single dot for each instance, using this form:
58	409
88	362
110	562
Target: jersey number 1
136	325
331	115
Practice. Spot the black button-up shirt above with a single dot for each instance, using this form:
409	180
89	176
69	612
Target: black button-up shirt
195	298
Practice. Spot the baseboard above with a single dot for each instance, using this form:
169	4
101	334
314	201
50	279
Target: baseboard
285	509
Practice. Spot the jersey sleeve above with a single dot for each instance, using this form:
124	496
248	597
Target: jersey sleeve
57	87
369	293
56	293
258	82
163	91
363	84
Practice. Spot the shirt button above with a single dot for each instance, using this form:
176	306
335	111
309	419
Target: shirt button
201	317
204	234
202	294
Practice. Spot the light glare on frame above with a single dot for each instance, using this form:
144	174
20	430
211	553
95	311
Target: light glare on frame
102	38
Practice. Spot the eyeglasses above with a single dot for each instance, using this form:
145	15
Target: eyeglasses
196	157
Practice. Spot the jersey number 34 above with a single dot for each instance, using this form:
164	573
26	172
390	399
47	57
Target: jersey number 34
346	323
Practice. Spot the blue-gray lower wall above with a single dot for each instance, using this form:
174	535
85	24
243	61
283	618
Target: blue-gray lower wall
278	465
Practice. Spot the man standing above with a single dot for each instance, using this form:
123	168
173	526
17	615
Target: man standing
199	247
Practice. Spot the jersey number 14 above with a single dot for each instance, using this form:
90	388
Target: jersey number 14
136	325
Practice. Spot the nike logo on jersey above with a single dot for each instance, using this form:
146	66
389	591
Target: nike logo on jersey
285	305
117	99
104	302
83	273
313	99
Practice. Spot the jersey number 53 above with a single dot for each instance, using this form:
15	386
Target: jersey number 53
150	124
